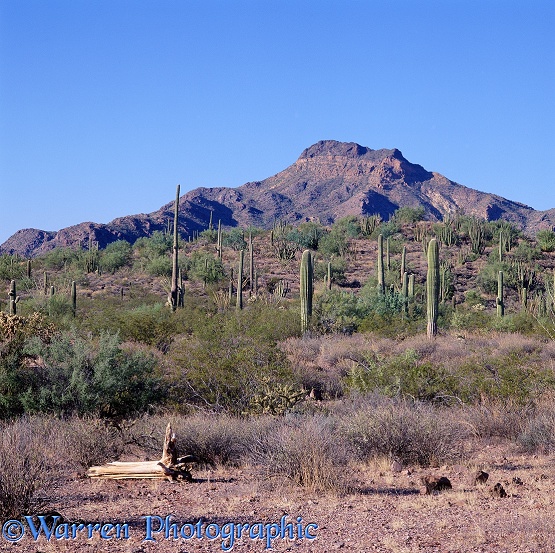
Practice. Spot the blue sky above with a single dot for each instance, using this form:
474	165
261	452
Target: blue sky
106	105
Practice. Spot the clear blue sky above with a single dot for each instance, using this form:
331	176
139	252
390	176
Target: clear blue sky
106	105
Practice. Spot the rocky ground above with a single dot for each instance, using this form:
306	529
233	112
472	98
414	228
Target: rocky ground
385	511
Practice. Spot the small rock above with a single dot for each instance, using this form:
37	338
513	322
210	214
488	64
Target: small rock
436	484
396	466
517	481
481	477
498	490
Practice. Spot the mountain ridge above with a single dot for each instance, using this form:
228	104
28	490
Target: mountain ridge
329	180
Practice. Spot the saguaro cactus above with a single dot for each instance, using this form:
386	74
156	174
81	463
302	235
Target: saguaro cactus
499	301
328	280
13	299
219	238
74	297
251	265
432	287
306	278
381	274
403	262
239	304
174	293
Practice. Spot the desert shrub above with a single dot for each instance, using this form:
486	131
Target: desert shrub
402	375
337	310
23	470
77	376
204	267
158	244
546	240
12	267
148	324
306	235
230	357
214	439
116	255
538	431
234	239
412	432
409	215
525	252
338	240
58	258
159	266
504	419
338	267
488	276
89	441
307	450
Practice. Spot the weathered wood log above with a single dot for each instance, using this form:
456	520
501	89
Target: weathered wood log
169	466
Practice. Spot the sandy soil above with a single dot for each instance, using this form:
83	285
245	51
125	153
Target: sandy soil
385	512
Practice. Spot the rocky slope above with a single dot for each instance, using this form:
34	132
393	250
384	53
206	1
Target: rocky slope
329	180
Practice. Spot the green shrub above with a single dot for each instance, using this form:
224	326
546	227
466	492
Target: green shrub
409	215
204	267
546	240
234	239
78	376
116	255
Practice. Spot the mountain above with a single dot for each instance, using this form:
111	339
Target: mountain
329	180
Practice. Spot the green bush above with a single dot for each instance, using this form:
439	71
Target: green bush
116	255
78	376
234	239
546	240
204	267
409	215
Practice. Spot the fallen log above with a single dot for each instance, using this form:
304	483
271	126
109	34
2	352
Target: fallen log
169	466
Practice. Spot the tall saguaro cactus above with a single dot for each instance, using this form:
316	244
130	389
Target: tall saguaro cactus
74	298
306	281
13	299
499	301
432	287
403	262
174	293
239	304
381	272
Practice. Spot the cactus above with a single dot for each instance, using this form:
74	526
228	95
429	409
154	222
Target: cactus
499	300
476	233
405	291
381	275
74	298
328	281
13	299
410	290
210	225
239	303
369	224
403	262
230	289
432	287
306	276
173	298
251	265
219	241
28	268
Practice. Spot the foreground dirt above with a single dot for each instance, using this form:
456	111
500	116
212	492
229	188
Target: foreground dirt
386	512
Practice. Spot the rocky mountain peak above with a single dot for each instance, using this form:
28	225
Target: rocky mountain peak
329	180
